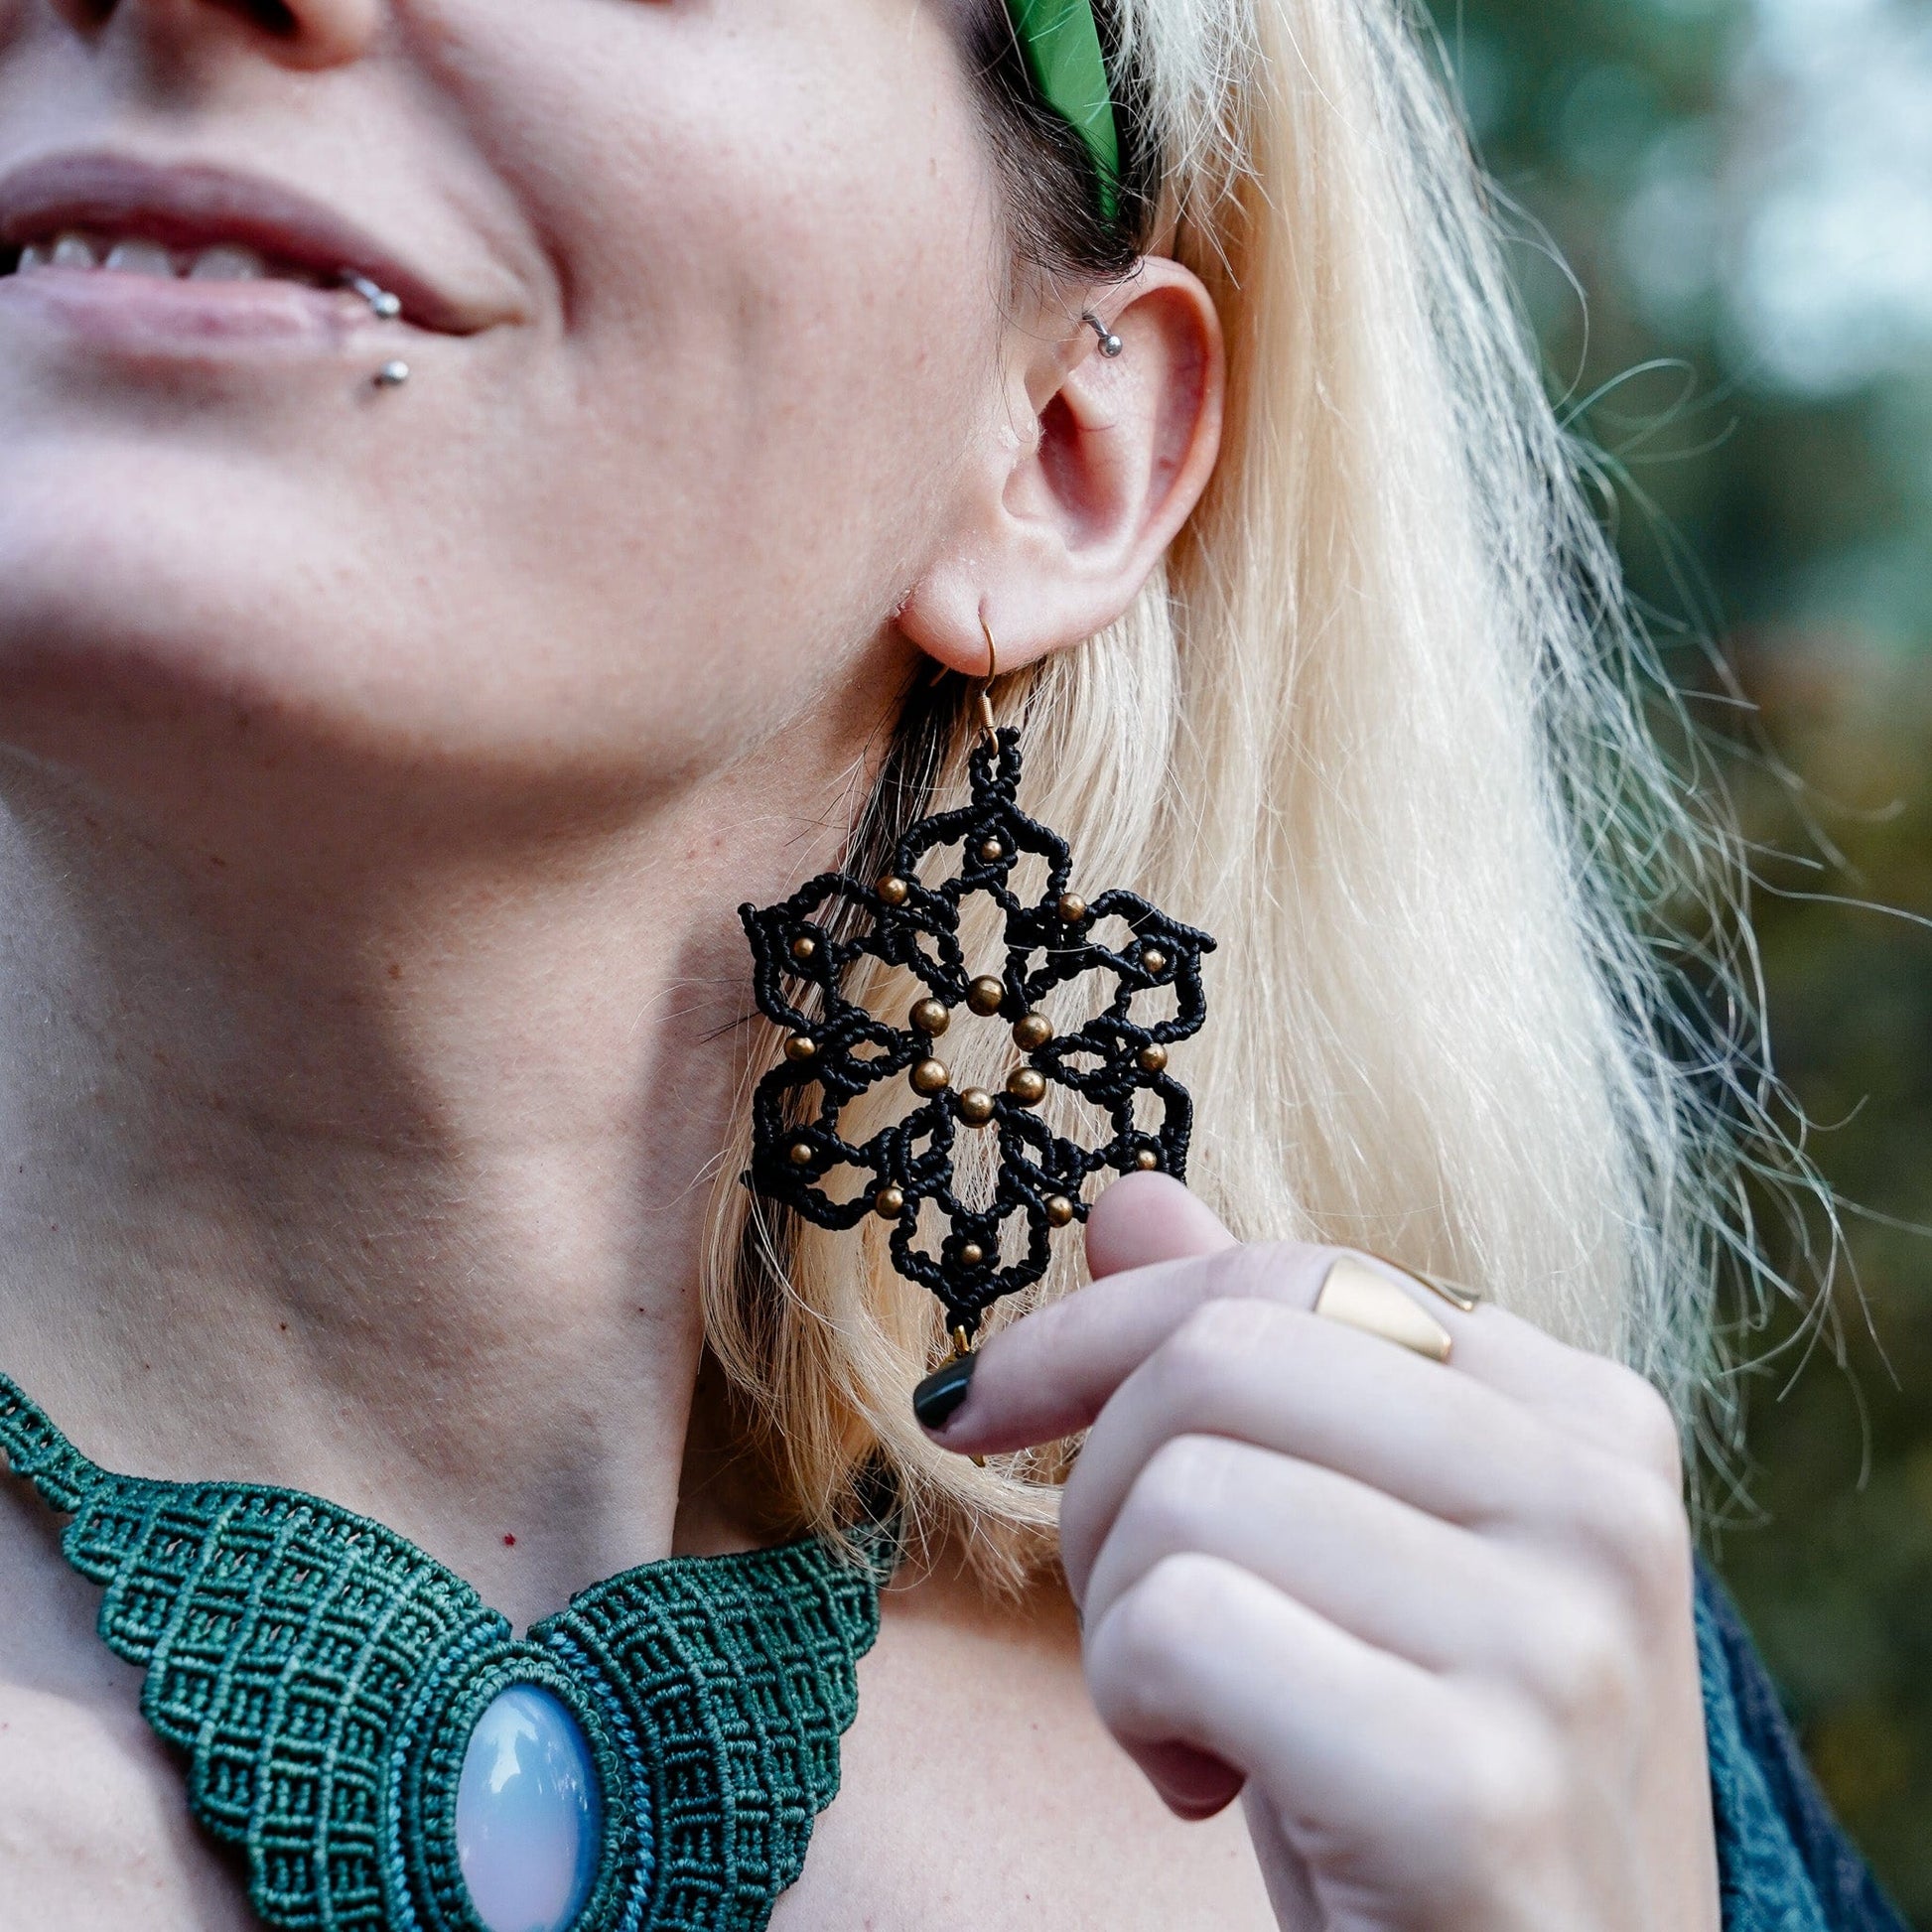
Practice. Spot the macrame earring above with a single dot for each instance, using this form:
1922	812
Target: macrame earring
970	1253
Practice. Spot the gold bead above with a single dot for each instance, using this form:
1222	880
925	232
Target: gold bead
1072	908
804	946
1147	1159
930	1077
1059	1211
1152	1057
801	1046
894	891
1154	959
889	1204
800	1153
985	994
1027	1085
972	1254
1034	1030
931	1017
975	1106
992	849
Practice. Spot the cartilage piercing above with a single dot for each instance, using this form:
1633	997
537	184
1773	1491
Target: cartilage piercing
382	304
393	375
1110	343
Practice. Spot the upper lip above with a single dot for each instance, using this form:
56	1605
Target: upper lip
195	205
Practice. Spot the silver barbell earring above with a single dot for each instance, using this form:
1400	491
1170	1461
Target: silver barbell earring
1110	343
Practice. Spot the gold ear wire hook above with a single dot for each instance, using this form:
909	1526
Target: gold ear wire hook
992	671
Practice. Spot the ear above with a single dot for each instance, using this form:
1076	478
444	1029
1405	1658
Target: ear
1084	478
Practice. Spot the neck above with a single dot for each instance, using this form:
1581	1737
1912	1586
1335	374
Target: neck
380	1166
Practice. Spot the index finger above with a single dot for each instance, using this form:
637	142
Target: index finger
1051	1375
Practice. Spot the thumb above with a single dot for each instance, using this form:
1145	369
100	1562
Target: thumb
1150	1217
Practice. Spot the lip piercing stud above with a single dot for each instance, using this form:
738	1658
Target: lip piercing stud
393	375
382	304
1110	343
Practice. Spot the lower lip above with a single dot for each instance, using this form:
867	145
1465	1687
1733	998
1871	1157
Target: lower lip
146	314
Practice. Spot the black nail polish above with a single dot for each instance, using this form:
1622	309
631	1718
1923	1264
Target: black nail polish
936	1400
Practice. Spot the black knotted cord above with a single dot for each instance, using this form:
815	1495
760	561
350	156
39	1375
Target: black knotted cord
803	949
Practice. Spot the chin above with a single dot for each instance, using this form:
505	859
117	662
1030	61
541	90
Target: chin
163	631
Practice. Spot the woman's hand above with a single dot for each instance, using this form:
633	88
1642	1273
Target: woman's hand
1437	1619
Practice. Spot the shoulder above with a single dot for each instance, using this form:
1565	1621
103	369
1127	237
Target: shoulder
980	1791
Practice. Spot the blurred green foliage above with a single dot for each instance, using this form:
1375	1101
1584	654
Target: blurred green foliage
1730	184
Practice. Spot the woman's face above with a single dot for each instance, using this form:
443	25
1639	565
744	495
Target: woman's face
702	307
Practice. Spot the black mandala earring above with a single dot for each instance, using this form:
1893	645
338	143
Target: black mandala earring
969	1252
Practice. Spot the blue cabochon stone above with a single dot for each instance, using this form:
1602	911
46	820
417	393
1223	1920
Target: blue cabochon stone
529	1818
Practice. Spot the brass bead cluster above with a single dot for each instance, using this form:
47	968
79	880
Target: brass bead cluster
983	996
931	1076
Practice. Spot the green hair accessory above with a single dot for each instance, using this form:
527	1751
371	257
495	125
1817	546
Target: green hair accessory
1064	52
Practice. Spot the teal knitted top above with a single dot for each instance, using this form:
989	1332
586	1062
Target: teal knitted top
1783	1863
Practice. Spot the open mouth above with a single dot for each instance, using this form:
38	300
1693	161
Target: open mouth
216	261
216	234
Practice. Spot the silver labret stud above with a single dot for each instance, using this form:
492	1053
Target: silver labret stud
393	375
385	306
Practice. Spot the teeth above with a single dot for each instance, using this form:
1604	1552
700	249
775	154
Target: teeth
227	265
135	255
140	258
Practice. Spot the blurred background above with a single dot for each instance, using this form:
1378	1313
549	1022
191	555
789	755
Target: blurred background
1742	190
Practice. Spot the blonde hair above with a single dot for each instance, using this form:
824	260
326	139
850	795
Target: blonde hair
1379	725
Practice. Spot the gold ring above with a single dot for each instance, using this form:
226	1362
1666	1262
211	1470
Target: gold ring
1362	1297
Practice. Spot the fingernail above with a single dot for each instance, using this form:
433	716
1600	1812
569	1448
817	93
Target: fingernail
936	1400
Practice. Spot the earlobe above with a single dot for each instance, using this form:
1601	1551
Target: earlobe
1054	531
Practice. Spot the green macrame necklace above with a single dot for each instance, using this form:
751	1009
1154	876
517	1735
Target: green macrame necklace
375	1738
